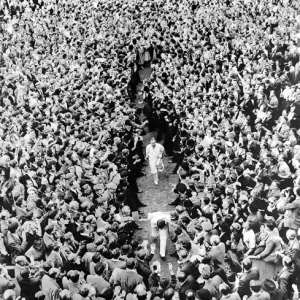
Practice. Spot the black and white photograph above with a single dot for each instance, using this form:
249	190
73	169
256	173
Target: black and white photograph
149	149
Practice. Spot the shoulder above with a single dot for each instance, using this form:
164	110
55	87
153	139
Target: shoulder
217	279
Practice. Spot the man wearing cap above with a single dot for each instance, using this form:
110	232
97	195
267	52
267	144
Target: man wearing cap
269	286
154	154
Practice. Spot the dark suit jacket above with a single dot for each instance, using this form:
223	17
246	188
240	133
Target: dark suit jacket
128	280
244	284
284	279
189	284
29	286
190	268
154	287
143	269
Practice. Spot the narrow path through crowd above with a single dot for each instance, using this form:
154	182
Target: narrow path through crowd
156	197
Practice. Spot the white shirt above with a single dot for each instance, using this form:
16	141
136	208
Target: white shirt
154	153
249	239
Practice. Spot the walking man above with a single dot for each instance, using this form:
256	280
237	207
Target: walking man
154	153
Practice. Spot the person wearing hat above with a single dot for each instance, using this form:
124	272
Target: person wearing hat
154	154
269	286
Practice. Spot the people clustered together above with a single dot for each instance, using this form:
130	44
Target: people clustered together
223	96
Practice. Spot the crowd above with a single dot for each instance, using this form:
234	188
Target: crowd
224	98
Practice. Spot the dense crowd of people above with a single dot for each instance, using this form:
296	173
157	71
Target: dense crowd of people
223	97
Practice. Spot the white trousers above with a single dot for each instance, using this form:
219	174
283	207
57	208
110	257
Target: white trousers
155	177
163	234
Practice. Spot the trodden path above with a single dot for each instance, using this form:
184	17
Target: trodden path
156	197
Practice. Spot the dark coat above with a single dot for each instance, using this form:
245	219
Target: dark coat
244	283
29	286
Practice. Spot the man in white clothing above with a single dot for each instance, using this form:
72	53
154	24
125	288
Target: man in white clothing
154	153
160	228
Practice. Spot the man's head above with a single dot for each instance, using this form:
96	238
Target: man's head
247	264
53	273
224	289
153	141
131	263
181	276
190	295
206	271
99	268
291	234
161	223
255	286
168	294
287	262
73	275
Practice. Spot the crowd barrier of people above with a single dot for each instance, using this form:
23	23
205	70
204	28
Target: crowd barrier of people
224	98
